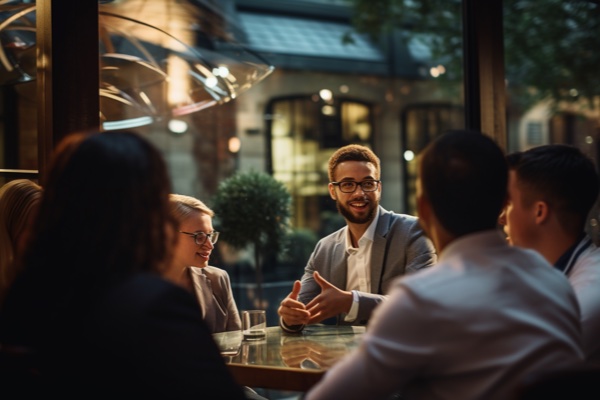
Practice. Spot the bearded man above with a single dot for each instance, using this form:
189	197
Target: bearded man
350	271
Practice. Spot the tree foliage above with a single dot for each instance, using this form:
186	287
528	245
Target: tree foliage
551	46
253	208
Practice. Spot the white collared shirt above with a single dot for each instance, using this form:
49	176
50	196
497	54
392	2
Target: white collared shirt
358	275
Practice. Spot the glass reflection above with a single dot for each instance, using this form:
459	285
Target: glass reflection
17	37
301	352
146	72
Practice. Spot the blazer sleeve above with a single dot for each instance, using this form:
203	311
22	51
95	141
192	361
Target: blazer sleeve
420	252
367	302
310	289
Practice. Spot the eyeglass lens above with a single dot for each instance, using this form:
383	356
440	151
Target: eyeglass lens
350	186
201	237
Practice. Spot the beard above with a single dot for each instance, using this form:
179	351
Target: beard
347	213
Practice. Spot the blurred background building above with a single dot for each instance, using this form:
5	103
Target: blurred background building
275	86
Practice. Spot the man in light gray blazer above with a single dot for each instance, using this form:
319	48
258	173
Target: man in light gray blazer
350	271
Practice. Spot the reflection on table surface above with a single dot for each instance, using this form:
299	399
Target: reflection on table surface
316	347
290	361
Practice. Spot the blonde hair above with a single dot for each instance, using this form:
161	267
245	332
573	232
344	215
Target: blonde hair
182	206
19	200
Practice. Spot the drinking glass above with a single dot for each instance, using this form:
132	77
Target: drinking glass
254	324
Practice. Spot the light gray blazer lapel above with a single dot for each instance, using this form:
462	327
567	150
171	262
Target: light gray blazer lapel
378	250
339	269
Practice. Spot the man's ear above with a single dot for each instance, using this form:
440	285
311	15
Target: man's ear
332	193
502	216
542	212
423	208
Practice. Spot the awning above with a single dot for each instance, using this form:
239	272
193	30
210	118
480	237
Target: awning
308	43
305	42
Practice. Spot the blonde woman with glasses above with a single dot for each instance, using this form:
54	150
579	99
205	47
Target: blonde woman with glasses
190	268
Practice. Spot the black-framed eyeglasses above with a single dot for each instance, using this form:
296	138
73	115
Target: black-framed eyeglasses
200	237
369	185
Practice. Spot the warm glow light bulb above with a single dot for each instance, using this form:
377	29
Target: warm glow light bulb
326	94
211	82
234	144
178	126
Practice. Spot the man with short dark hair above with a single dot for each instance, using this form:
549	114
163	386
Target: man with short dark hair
552	189
485	315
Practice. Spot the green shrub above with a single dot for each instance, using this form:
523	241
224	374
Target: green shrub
253	208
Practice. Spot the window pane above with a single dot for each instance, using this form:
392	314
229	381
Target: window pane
333	82
553	85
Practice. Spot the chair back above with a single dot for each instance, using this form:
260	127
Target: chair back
19	371
581	382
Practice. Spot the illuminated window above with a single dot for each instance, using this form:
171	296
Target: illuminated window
304	131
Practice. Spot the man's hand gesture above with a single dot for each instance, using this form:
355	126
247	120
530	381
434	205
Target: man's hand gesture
292	311
332	301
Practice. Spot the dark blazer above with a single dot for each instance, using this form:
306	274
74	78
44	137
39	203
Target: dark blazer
142	338
400	246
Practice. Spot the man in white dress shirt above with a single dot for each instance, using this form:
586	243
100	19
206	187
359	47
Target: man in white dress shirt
479	320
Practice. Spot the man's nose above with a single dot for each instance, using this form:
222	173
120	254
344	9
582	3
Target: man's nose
502	218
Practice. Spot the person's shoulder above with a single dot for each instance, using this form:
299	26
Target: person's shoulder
214	272
395	217
139	292
590	257
144	282
135	303
529	263
587	266
336	236
531	257
435	287
404	224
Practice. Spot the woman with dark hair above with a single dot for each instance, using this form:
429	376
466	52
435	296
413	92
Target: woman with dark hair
91	303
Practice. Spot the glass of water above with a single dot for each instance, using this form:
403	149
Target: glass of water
254	324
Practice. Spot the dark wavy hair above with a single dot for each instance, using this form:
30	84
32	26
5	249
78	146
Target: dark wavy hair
104	213
464	175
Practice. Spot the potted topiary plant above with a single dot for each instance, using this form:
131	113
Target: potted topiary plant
253	208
